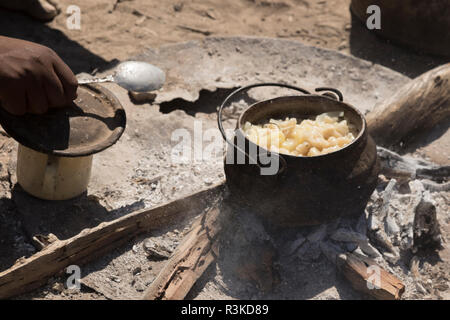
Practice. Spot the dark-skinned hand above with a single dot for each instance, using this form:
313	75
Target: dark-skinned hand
33	78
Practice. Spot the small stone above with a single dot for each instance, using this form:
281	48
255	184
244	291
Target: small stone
58	287
141	97
140	20
115	279
178	7
139	287
156	251
137	271
208	181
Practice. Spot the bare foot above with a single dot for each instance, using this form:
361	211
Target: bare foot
44	10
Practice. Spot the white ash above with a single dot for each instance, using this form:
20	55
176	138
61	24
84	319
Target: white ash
401	218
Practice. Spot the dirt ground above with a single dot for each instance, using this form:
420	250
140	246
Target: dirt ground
114	30
119	29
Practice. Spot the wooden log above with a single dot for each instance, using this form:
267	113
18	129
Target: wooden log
419	105
31	273
366	276
191	258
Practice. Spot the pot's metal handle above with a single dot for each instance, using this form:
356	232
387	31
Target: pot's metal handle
246	88
336	92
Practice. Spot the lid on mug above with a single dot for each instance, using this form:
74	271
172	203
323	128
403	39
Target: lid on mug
92	123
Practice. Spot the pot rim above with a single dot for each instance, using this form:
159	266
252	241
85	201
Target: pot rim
357	139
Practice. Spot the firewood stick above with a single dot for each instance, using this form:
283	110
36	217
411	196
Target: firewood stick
366	276
31	273
420	105
189	261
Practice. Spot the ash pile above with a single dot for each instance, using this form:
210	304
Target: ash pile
390	252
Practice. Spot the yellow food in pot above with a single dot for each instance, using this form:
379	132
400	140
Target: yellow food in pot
327	133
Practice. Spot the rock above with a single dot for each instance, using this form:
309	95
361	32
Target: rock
156	251
137	271
57	287
141	97
178	7
139	287
208	181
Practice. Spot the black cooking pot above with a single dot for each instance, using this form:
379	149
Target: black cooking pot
302	190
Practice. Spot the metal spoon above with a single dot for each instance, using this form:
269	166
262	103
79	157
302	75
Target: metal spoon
134	76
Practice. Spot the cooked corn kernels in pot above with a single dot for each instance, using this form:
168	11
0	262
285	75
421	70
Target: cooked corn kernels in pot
325	134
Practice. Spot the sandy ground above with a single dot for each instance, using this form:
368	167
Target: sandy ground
118	29
114	30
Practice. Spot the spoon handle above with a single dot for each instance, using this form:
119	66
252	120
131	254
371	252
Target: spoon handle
109	78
